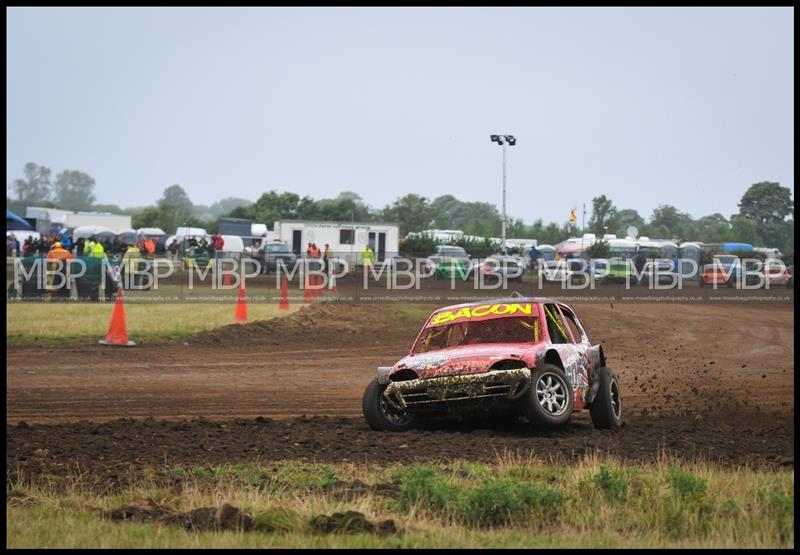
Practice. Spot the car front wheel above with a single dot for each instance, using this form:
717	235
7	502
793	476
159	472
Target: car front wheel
606	409
549	401
380	414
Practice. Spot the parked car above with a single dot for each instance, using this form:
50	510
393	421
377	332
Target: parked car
272	252
498	266
450	261
777	273
522	356
724	270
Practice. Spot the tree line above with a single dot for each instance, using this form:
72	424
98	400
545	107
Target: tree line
765	217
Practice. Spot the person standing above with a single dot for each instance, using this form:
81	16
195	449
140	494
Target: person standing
218	244
98	251
56	253
130	262
173	249
367	256
88	246
77	248
326	259
150	247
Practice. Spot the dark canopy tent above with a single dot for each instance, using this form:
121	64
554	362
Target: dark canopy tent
14	222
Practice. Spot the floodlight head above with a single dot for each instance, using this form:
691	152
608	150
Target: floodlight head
511	140
494	138
500	139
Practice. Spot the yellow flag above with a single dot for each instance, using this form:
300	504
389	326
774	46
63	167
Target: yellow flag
573	217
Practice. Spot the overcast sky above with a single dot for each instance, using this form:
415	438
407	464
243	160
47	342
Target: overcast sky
648	106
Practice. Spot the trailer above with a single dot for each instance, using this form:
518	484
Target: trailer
346	239
115	222
240	227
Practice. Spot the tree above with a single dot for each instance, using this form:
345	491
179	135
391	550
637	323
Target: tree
74	190
411	212
625	218
224	206
175	197
346	206
473	218
552	234
714	229
36	187
598	249
604	216
744	229
766	202
667	222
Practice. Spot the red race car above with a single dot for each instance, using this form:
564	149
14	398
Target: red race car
525	356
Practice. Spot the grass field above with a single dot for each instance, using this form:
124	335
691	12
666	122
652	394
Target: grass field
513	502
57	322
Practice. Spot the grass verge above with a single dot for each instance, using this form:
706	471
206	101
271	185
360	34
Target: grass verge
56	322
513	502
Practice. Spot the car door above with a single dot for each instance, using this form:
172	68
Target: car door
577	361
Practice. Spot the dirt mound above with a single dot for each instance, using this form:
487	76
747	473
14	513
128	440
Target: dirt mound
350	522
323	322
224	517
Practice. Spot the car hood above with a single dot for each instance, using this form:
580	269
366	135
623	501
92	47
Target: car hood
471	359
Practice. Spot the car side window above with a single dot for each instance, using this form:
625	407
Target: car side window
555	326
569	319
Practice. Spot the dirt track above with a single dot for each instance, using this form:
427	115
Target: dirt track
710	380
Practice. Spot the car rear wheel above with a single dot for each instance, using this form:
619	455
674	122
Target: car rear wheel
606	409
549	401
380	414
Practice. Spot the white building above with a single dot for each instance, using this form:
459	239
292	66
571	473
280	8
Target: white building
346	239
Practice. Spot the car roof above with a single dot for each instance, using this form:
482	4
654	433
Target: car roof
535	300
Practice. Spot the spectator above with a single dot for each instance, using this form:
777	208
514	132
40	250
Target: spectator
98	250
326	259
88	246
367	256
217	244
173	249
130	261
58	252
160	246
77	248
640	260
149	247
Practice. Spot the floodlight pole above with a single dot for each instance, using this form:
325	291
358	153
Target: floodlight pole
502	140
503	228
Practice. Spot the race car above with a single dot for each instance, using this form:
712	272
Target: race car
527	357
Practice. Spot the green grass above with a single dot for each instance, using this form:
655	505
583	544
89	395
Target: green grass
57	322
513	502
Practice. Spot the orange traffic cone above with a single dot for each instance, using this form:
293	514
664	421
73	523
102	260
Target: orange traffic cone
117	335
226	277
284	302
241	305
332	283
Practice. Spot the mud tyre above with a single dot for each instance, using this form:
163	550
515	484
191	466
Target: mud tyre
606	409
379	414
549	401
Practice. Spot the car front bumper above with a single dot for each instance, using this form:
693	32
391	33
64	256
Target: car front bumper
433	393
